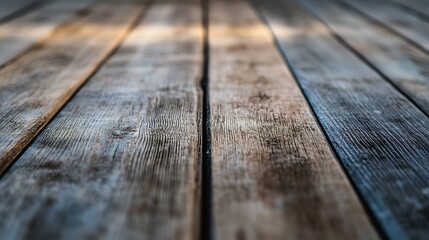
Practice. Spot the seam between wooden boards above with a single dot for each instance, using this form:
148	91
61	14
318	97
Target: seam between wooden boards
206	226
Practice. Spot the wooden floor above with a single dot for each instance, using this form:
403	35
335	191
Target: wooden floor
214	119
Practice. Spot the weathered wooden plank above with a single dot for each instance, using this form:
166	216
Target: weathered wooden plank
419	6
120	160
36	85
380	137
274	175
11	7
404	65
21	33
386	14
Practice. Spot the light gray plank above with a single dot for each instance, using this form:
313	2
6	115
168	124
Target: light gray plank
121	159
274	175
380	136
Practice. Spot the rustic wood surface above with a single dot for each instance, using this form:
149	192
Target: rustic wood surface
19	34
404	65
386	14
121	159
214	119
37	84
273	171
9	8
380	136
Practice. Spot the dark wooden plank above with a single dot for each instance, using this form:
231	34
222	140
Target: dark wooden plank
10	7
404	65
274	175
396	19
21	33
120	160
380	137
35	86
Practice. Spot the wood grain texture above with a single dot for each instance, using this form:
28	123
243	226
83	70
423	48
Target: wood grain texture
274	175
19	34
396	19
380	137
404	65
11	7
121	159
35	86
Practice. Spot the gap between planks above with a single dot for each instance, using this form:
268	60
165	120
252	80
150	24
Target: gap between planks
206	232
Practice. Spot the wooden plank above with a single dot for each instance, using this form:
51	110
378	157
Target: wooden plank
36	85
419	6
404	65
274	175
10	7
18	35
380	137
120	160
386	14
